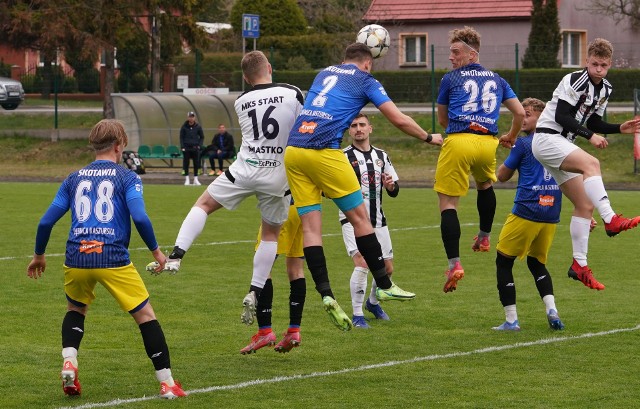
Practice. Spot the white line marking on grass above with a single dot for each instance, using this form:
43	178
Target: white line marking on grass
222	243
437	357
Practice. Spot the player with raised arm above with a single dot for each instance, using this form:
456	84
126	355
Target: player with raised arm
468	107
266	114
377	175
315	164
576	109
103	198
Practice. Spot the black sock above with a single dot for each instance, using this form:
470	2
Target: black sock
486	202
72	329
450	232
265	303
541	276
370	249
155	344
317	264
504	274
256	290
296	300
177	252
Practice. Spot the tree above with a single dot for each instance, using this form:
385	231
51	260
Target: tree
619	10
277	17
334	16
544	38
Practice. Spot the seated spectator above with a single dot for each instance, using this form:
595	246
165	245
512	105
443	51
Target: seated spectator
221	148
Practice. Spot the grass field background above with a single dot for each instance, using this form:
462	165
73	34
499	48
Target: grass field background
437	351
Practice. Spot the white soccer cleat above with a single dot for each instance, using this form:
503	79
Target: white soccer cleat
172	266
249	308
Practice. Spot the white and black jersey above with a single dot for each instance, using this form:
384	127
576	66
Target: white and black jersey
369	167
585	99
266	114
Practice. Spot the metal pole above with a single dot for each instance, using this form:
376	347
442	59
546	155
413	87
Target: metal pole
517	69
433	90
198	62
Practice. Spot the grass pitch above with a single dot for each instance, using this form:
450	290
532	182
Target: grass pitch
437	351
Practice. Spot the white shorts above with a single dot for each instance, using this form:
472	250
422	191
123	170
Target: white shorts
551	150
382	233
274	209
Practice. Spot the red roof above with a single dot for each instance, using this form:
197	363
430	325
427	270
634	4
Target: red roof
394	10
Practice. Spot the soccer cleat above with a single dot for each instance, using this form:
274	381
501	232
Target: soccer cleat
172	266
259	341
249	308
554	320
219	172
453	276
585	275
171	392
70	382
359	322
481	244
336	314
394	293
376	310
289	341
212	173
186	181
196	182
184	173
508	326
619	224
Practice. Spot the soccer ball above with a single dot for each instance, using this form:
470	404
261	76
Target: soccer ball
376	38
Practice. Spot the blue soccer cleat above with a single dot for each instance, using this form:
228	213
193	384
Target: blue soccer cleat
554	320
508	326
376	310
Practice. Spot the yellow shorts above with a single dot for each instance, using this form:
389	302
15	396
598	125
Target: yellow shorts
313	171
520	237
124	284
290	238
465	154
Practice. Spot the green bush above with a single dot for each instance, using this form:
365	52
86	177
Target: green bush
69	85
88	81
32	83
319	49
5	69
138	82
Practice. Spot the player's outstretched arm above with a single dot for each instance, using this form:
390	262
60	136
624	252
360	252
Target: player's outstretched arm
406	124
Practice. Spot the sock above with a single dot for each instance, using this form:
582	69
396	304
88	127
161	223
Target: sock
486	203
453	261
358	285
155	344
262	262
450	232
317	264
72	330
372	294
510	313
504	276
541	276
370	249
70	354
191	227
579	229
549	303
164	375
594	188
297	297
265	304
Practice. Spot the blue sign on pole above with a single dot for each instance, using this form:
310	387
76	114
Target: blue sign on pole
250	26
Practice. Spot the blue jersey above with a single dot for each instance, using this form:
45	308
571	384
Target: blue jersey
473	95
337	95
98	197
538	196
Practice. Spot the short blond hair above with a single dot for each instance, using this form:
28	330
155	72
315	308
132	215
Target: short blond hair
254	64
107	133
535	104
600	48
467	35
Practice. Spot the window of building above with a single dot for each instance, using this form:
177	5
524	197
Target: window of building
414	50
574	45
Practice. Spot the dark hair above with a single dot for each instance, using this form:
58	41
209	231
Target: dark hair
357	52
